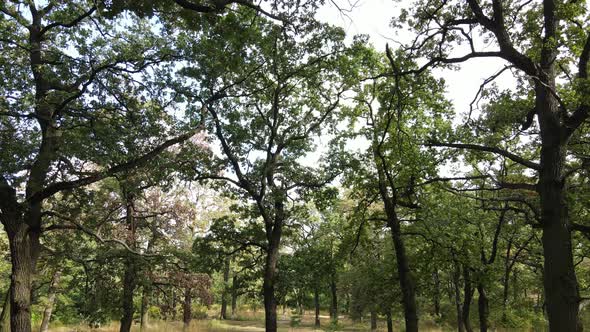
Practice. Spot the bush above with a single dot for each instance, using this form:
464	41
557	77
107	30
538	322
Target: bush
199	311
295	320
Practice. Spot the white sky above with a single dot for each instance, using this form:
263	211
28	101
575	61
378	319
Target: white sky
372	17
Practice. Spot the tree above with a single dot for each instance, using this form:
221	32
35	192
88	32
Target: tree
279	92
540	42
400	113
59	115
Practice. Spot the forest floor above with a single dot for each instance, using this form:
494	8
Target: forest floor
306	324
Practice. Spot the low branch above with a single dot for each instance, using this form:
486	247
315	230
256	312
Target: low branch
133	163
99	238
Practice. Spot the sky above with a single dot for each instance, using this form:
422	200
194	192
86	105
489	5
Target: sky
373	17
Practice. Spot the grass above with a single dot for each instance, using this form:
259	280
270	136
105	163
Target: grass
244	323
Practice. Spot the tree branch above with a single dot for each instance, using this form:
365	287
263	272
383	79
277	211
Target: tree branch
69	24
495	150
133	163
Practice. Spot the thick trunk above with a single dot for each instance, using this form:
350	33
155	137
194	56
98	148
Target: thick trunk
129	284
406	279
334	294
560	282
224	295
5	317
270	304
389	322
234	297
187	308
273	234
50	301
468	297
405	276
145	305
483	306
316	302
373	320
23	249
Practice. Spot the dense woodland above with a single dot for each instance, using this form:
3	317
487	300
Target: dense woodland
173	160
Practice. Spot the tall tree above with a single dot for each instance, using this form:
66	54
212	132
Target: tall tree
400	113
281	89
539	41
59	118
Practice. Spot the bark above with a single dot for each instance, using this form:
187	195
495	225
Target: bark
24	246
389	321
468	297
234	297
334	294
24	227
5	316
316	302
145	305
506	280
406	279
373	320
273	234
436	300
50	301
270	304
187	314
130	277
559	277
173	305
483	308
457	291
224	295
129	285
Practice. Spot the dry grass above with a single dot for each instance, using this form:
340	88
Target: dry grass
248	321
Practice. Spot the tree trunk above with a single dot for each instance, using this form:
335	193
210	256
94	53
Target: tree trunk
5	317
316	302
173	304
50	301
506	280
389	321
373	320
129	284
23	250
560	282
130	277
456	277
405	276
234	297
187	314
224	294
436	300
483	306
406	279
334	294
468	297
145	305
273	234
270	304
